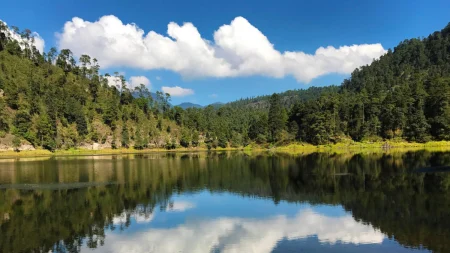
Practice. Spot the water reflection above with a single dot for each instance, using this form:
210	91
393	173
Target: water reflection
235	234
226	202
142	214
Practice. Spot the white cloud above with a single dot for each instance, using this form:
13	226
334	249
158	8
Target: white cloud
136	81
132	82
238	49
177	91
243	234
114	81
158	78
39	42
214	95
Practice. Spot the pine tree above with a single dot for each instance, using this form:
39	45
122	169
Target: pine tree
125	136
4	121
277	117
417	128
195	139
185	140
46	132
138	140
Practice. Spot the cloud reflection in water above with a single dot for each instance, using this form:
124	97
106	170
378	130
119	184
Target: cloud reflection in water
243	234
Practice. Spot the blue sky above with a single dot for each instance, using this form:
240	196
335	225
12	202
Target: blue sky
297	26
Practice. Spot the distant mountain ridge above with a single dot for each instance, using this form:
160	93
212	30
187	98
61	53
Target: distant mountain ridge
288	98
186	105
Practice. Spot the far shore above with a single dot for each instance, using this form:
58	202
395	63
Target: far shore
291	148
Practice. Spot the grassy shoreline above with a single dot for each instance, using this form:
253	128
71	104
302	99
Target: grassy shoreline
361	147
74	152
292	148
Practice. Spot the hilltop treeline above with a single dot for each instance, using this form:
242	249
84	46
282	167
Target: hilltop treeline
288	98
53	101
405	95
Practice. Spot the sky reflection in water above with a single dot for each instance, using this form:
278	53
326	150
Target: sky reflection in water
206	222
226	202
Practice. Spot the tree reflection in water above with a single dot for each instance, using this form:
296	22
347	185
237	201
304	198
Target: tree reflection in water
379	190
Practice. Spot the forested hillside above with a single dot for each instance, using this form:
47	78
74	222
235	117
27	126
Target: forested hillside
404	94
288	98
52	101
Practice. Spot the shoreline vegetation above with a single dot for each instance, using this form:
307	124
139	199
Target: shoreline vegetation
296	148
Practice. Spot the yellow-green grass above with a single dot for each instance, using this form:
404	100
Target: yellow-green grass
42	152
38	152
363	147
296	148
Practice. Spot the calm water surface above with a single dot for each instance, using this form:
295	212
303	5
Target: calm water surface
226	202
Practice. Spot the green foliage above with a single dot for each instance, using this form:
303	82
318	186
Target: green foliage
114	142
53	101
16	142
22	122
125	137
171	144
222	140
95	137
195	139
178	115
288	98
261	139
159	125
277	117
186	139
438	108
46	132
4	119
139	142
259	127
236	140
404	94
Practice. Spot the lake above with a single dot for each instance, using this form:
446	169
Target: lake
226	202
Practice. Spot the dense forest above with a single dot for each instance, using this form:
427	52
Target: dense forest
52	101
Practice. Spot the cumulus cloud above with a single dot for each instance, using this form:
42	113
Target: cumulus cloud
136	81
114	81
244	234
36	40
39	42
238	49
132	82
177	91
